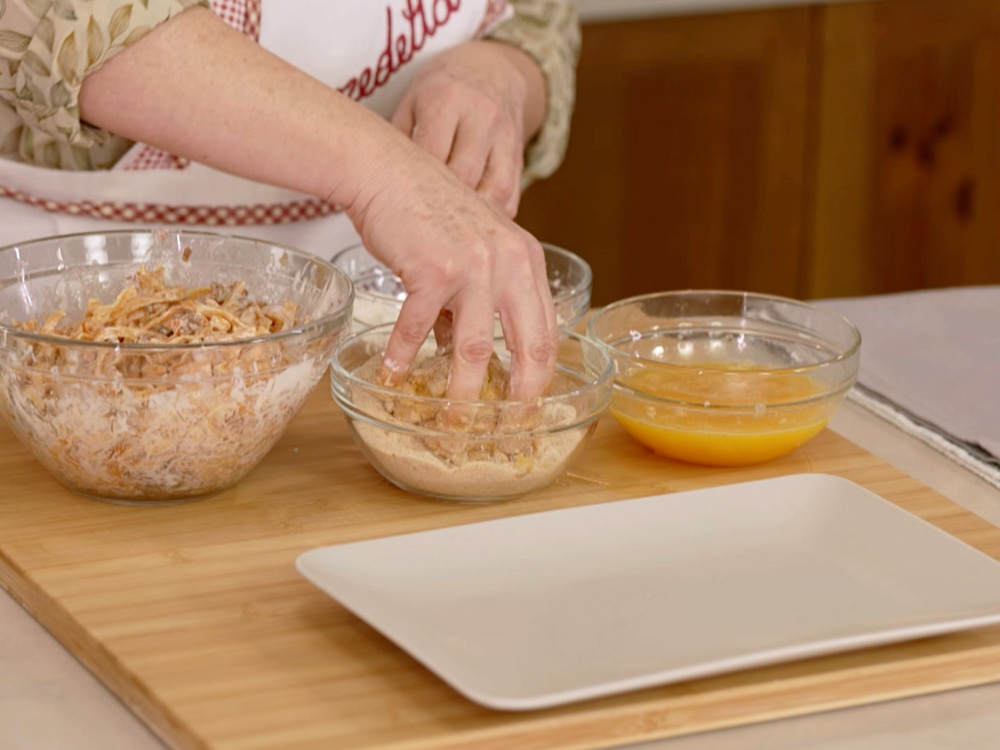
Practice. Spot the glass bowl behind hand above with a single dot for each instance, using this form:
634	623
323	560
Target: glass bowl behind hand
380	293
143	423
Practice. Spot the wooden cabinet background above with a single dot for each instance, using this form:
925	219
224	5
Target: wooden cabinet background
810	152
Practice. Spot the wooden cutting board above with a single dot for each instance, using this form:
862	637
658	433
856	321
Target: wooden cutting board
195	616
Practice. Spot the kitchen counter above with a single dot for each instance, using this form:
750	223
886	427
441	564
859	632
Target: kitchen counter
619	10
48	700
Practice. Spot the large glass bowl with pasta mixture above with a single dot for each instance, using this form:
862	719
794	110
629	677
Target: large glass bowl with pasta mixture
380	292
479	451
160	366
725	378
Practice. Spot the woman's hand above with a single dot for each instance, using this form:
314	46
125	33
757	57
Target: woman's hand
474	107
456	252
471	108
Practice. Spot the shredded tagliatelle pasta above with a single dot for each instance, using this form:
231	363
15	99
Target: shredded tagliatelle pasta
150	312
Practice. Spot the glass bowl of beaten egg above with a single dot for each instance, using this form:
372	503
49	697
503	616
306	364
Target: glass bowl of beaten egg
725	378
380	293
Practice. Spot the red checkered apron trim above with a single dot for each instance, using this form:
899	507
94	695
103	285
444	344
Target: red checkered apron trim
146	213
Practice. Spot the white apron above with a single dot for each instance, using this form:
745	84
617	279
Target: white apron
368	50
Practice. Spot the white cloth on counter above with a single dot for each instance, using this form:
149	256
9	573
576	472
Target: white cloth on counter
930	363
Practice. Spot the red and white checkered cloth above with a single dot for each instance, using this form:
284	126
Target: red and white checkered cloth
142	157
231	11
242	15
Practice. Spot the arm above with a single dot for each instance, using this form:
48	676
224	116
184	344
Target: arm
47	48
196	88
199	89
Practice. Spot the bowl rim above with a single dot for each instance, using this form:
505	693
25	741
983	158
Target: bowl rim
852	329
344	310
338	373
573	292
377	272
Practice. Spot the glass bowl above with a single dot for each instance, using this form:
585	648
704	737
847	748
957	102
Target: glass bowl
142	423
725	378
470	451
380	293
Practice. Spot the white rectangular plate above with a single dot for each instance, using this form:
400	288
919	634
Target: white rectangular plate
560	606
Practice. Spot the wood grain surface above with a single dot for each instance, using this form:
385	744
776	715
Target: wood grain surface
906	155
686	166
196	618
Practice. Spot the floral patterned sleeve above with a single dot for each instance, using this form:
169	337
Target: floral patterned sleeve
47	47
549	31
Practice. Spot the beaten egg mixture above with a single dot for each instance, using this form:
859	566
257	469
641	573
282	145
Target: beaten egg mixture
743	428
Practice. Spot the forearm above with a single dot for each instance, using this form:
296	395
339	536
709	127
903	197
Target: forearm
197	88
